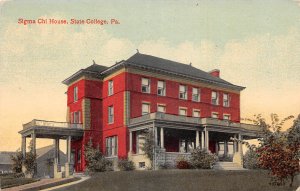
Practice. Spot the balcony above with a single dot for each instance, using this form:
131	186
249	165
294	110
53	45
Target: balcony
50	124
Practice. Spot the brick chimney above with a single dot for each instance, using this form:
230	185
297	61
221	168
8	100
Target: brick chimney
215	73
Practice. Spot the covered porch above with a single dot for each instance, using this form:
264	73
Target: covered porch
176	136
56	131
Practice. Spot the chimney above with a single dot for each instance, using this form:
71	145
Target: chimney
215	73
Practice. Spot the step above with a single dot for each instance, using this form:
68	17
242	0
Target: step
227	166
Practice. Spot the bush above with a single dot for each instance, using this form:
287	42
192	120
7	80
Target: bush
126	165
95	160
202	159
183	164
251	159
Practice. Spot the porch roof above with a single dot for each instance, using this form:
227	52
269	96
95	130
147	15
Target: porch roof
193	123
51	129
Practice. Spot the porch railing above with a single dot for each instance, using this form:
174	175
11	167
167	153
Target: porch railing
44	123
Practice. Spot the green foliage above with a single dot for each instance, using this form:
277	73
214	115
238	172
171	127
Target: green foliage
95	160
126	165
251	159
17	161
30	160
202	159
148	145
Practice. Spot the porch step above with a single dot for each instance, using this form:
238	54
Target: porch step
79	174
227	166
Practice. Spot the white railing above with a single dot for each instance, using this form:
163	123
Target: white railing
44	123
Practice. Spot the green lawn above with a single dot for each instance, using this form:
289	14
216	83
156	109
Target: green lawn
180	180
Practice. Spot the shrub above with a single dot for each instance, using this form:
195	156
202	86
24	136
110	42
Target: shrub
183	164
202	159
95	160
126	165
251	159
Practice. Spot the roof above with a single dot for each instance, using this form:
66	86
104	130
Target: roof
41	151
156	63
172	66
5	157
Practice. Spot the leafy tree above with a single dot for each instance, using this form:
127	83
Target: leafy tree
250	160
30	160
202	159
149	144
278	151
17	161
95	160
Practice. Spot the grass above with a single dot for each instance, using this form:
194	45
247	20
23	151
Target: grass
11	180
178	180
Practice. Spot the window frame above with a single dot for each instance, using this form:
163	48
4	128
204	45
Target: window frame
149	108
197	110
216	99
75	117
213	113
162	105
198	94
111	114
226	114
226	104
75	93
148	87
110	87
111	146
161	88
182	108
183	93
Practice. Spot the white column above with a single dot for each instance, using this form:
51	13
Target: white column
24	147
240	146
130	141
197	139
162	144
56	149
33	139
155	136
69	149
234	144
202	140
206	139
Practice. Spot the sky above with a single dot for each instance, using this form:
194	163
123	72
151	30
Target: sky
254	43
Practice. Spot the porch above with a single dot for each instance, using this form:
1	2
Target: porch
176	136
56	131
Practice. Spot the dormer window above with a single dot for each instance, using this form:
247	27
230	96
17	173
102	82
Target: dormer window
145	85
226	100
110	87
161	88
196	95
75	94
214	98
182	92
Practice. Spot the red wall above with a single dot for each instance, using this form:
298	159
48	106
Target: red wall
97	91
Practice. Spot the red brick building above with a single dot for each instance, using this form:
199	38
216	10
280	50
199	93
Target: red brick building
184	106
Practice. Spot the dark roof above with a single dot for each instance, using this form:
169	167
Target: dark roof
95	68
172	66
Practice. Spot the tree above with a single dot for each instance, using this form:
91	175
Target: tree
95	160
30	160
149	144
17	161
278	151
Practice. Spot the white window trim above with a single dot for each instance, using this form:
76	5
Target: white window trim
215	113
149	86
197	110
183	108
228	100
148	103
199	94
185	93
113	114
217	98
164	105
75	94
224	114
115	140
110	87
79	116
163	89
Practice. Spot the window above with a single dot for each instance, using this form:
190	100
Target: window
215	98
182	111
76	117
196	113
182	92
142	165
111	114
226	100
145	108
196	94
215	115
75	93
226	117
161	108
110	87
111	146
161	88
145	85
